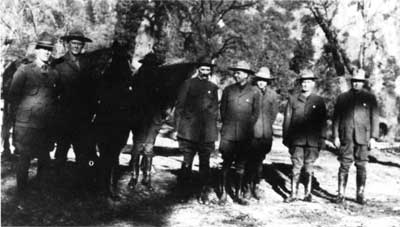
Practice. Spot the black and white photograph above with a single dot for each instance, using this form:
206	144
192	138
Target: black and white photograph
198	113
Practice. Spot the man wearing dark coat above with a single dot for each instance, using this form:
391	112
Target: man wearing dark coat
304	132
196	122
262	141
75	114
355	128
239	111
34	93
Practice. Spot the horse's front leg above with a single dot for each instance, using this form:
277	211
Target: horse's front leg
135	152
109	159
147	163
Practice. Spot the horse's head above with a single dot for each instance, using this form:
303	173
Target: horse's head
111	64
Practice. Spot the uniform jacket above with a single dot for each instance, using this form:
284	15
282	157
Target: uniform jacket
240	108
77	93
356	112
305	121
34	94
197	111
268	112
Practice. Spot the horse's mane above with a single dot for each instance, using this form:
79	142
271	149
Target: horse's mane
167	84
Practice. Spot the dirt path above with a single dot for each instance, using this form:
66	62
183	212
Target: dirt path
59	203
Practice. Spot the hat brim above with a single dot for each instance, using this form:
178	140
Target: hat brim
67	38
263	78
307	78
47	46
143	61
242	69
205	64
359	80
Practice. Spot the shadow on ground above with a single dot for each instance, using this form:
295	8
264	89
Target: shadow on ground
278	175
57	200
373	159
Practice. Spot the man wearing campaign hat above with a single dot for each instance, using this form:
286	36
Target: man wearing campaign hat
262	140
304	132
355	128
196	122
74	108
239	109
33	93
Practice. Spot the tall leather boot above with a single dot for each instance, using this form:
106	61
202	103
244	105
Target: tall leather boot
361	179
308	188
183	181
256	181
238	192
342	183
42	166
146	169
205	192
294	187
223	180
22	174
135	171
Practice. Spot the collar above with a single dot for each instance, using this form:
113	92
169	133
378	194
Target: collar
355	91
303	98
202	79
72	57
40	63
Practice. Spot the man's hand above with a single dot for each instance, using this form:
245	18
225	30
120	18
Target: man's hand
337	142
372	143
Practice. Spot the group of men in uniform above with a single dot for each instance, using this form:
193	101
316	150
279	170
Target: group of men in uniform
51	103
49	106
248	109
247	112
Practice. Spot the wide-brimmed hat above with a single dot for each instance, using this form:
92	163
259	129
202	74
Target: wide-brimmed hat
75	34
205	61
45	40
151	58
242	66
263	74
359	75
307	75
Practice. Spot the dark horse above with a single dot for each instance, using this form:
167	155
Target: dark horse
125	102
155	92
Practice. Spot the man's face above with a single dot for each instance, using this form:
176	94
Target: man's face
204	71
75	46
43	54
241	77
307	85
357	85
262	84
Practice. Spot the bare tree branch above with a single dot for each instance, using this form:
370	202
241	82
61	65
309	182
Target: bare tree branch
340	58
228	43
5	23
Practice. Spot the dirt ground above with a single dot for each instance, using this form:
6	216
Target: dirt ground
58	202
